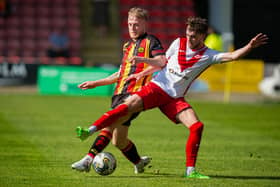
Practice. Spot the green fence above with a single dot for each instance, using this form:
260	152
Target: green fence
64	80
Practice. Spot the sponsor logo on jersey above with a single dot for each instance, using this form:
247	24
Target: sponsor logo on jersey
178	74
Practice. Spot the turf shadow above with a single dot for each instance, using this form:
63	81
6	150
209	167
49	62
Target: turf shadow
247	177
143	176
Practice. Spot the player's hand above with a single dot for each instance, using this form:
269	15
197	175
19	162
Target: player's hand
135	60
87	85
136	76
258	40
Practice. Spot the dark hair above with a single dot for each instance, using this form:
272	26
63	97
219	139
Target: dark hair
198	24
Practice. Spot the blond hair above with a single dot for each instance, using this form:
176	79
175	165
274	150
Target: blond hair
139	13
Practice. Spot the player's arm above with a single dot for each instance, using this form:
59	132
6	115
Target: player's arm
149	70
101	82
158	61
258	40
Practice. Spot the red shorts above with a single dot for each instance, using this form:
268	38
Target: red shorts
153	96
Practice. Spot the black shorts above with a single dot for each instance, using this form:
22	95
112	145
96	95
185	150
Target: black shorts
119	99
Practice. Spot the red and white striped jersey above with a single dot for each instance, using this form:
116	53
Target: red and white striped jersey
183	67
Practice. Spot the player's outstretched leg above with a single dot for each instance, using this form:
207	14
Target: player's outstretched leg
105	120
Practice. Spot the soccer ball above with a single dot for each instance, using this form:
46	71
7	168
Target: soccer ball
104	163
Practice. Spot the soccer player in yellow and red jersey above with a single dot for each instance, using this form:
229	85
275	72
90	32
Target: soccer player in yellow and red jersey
148	47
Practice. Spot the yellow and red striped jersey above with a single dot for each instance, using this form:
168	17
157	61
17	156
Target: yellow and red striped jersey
146	46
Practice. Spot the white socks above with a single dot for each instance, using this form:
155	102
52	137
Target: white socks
92	129
189	170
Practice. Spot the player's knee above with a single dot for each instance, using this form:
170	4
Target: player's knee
134	103
198	126
116	144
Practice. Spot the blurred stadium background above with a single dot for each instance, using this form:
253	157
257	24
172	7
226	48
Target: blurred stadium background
25	26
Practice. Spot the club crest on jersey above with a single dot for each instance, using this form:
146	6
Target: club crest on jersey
141	50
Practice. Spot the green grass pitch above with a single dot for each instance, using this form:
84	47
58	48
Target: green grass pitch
240	145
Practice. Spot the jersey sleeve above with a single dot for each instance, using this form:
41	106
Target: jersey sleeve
216	56
156	47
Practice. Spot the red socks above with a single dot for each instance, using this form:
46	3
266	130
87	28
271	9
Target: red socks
193	143
111	116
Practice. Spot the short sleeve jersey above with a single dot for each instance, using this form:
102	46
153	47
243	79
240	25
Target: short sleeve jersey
146	46
183	67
